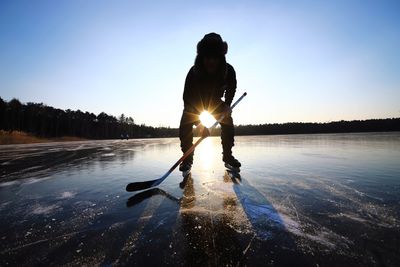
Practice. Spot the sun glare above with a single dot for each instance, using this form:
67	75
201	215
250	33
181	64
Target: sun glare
207	119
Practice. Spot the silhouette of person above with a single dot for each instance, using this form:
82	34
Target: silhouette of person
210	79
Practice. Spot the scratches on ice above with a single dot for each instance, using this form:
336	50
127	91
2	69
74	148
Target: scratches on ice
45	210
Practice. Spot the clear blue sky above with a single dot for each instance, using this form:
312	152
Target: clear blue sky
298	60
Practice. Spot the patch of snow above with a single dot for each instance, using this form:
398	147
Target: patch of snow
43	210
67	194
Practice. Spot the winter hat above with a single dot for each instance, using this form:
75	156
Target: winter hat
212	45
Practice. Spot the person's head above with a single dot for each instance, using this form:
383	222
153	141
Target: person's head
211	64
211	52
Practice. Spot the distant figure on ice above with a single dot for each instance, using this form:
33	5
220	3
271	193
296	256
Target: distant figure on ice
210	79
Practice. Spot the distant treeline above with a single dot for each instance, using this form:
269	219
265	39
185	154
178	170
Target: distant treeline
45	121
373	125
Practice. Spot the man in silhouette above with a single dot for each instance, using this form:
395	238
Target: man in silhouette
210	79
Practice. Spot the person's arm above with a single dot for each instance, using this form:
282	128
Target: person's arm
188	94
232	84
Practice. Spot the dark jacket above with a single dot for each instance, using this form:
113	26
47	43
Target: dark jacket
203	93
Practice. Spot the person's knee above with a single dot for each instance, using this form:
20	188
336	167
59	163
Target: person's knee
227	131
227	122
185	132
184	119
184	126
189	119
227	126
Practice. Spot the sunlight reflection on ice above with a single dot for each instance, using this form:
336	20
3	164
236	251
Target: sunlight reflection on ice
205	154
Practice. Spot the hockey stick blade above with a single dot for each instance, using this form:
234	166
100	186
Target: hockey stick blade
137	186
131	187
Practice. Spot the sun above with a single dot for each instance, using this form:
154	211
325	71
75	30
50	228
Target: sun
207	119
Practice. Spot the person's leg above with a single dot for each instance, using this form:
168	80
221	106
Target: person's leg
188	119
227	135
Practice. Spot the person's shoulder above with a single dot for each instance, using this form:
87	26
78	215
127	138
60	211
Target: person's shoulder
230	69
190	72
191	75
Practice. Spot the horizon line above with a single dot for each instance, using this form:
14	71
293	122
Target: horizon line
162	126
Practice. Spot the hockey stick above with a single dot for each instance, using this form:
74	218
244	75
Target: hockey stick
147	184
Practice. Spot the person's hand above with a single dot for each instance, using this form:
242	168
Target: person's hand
204	131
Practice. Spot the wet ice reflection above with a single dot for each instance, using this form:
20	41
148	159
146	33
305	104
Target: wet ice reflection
314	199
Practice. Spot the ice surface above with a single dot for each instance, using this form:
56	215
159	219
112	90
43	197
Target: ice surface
302	200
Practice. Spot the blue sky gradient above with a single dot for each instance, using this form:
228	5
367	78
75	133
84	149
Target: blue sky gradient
298	60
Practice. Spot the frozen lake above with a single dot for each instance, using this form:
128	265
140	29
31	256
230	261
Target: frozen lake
327	200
